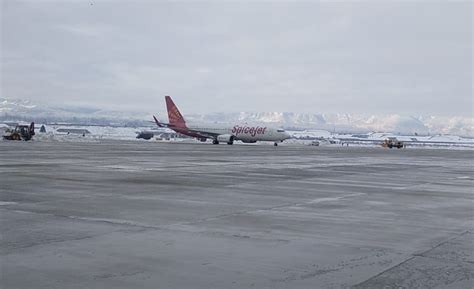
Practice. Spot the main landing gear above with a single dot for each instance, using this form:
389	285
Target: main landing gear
275	144
216	142
229	141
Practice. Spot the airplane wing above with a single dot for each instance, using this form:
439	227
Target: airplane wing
201	134
204	134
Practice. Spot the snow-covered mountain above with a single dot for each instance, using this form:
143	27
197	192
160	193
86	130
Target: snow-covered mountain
24	110
353	123
15	106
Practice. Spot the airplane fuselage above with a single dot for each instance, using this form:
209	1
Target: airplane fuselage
248	133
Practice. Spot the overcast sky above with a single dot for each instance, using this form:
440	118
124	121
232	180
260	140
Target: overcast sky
369	57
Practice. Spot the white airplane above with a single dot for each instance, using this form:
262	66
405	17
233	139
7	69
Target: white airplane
221	133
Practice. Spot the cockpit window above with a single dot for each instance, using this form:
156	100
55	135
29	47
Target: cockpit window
280	130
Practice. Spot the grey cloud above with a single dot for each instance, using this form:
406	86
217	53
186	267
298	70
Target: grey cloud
364	57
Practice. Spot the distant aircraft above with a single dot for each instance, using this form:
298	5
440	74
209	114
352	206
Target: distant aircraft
221	133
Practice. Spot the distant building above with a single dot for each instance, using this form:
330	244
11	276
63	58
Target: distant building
73	131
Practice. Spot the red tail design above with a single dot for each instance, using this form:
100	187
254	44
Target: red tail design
174	116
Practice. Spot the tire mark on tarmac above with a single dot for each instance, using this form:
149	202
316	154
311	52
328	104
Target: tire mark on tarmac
170	227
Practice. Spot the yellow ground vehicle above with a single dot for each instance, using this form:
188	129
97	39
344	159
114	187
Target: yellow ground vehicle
392	142
20	132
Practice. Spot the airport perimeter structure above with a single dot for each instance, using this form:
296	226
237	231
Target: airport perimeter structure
160	215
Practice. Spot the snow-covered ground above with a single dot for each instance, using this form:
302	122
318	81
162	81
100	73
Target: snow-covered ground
97	133
375	139
305	137
21	109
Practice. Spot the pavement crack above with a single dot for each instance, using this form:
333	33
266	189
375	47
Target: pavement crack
384	271
422	254
413	256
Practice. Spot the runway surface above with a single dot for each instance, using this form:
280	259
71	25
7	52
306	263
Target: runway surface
160	215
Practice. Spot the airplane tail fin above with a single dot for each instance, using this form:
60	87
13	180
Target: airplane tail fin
174	116
158	123
32	128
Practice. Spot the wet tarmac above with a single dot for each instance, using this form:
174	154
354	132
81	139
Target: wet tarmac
160	215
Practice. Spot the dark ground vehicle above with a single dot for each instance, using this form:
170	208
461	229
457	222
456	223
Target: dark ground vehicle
145	135
20	132
393	143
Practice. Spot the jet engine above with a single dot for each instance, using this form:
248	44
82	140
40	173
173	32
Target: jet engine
229	139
